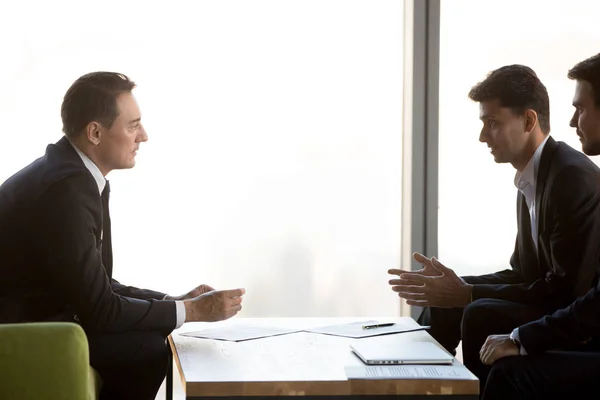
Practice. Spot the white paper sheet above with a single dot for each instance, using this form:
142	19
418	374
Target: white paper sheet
454	372
355	330
239	333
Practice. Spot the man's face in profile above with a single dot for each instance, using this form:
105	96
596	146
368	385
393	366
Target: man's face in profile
503	131
586	118
119	143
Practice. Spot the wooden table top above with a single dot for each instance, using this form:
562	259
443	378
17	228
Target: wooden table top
295	364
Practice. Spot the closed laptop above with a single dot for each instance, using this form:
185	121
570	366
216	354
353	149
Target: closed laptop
374	353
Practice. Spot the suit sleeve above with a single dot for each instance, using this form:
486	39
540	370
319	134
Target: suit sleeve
64	231
507	276
574	204
136	293
565	328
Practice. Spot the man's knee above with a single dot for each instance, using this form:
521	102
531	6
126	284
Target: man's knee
444	325
500	379
132	364
133	351
153	349
501	369
480	310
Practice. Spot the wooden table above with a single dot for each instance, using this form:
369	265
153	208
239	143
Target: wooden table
298	364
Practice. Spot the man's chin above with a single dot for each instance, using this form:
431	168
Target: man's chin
591	149
499	160
128	165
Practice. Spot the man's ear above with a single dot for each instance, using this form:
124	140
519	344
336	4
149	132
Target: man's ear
93	132
531	120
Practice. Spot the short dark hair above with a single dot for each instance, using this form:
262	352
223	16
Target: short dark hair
588	70
518	88
93	97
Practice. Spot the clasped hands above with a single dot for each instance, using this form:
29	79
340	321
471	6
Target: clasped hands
204	303
434	285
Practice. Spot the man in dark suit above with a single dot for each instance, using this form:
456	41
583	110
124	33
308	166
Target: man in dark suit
558	355
558	215
55	245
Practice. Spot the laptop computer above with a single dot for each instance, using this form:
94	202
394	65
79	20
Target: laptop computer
412	353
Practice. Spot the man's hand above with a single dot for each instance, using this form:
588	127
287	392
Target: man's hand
423	288
215	305
197	291
497	347
427	270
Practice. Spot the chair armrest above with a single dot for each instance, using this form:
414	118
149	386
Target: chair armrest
44	360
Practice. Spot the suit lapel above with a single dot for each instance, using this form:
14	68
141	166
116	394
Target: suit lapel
540	179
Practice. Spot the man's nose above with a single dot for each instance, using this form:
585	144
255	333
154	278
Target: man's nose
574	120
143	136
482	136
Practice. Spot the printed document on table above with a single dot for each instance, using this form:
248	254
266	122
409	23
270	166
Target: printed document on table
455	371
239	333
355	329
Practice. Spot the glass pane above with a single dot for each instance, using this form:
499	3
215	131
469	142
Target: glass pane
274	152
477	198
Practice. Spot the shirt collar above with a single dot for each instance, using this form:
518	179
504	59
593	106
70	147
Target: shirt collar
93	168
529	174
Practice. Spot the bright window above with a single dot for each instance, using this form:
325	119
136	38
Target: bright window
274	158
477	198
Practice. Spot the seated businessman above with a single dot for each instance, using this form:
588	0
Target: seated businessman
558	218
55	245
558	355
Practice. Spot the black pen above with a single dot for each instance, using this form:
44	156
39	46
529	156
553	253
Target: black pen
377	326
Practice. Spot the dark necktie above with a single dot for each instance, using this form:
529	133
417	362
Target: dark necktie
106	240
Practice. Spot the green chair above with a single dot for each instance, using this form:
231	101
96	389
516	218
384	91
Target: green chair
46	360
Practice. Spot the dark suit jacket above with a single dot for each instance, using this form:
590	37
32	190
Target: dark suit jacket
50	252
567	205
576	327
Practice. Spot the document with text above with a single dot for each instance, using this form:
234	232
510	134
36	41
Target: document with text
454	372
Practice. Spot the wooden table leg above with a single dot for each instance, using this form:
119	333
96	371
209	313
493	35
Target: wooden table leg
169	383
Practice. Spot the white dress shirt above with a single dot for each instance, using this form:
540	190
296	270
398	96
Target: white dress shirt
526	183
101	181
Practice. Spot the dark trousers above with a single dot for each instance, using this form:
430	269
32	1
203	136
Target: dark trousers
552	375
473	324
132	365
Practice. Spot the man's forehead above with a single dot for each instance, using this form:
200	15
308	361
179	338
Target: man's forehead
490	108
583	92
127	106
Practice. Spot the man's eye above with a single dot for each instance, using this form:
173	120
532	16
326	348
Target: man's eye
492	123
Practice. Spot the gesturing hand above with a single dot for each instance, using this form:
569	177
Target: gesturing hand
497	347
423	288
427	270
195	292
216	305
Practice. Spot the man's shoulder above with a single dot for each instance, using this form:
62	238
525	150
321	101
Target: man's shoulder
566	157
54	168
571	172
